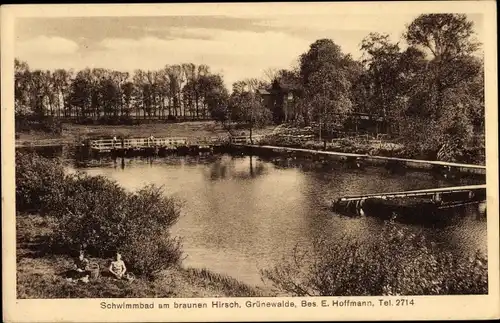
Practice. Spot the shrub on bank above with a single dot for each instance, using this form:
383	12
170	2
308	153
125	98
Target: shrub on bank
397	262
37	180
97	214
280	140
147	243
89	211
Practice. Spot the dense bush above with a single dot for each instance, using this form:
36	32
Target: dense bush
37	180
51	125
279	140
97	214
397	262
147	244
89	210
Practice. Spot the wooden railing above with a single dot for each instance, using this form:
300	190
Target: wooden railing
138	143
242	140
131	143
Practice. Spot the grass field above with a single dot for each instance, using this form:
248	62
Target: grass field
72	133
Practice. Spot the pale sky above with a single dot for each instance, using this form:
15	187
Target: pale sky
236	46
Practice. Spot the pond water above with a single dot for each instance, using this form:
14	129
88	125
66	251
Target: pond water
243	214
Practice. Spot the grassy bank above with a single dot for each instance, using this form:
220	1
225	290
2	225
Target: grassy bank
72	133
40	273
61	213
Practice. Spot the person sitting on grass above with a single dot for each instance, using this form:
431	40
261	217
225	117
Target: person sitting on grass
82	264
82	269
117	267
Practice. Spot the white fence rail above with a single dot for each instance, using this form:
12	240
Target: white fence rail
242	140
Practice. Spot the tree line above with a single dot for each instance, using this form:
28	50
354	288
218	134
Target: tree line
429	86
176	91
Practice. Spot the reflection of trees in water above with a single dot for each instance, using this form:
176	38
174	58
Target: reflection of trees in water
219	170
124	162
304	164
224	168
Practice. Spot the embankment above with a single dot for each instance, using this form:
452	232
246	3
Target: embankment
74	133
60	213
40	274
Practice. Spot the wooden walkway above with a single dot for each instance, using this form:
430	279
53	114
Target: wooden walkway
377	160
107	145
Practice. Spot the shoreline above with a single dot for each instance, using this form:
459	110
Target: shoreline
40	274
390	162
74	134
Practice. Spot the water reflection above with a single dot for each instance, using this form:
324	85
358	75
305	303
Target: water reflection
227	167
242	214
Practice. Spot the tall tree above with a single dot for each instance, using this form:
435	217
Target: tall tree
381	80
62	81
128	94
81	93
442	63
246	105
447	39
22	81
325	73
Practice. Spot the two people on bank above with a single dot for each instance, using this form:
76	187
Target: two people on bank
116	269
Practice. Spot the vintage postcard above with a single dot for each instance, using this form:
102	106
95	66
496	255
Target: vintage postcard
250	161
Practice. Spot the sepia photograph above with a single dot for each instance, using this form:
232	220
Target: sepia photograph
325	158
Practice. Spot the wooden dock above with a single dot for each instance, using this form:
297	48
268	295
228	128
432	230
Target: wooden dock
379	160
469	189
414	204
108	145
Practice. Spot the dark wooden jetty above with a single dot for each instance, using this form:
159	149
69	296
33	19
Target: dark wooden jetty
414	205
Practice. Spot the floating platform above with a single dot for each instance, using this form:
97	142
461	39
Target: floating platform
416	205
